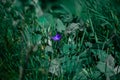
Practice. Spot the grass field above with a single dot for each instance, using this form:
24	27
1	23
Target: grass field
59	39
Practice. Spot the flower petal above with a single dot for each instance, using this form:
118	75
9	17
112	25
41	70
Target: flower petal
56	37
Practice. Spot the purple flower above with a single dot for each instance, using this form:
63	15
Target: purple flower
57	37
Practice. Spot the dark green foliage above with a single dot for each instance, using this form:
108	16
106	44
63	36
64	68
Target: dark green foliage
88	50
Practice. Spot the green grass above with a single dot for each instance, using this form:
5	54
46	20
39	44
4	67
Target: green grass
88	50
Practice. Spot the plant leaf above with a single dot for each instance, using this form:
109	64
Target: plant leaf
104	68
48	49
55	67
60	26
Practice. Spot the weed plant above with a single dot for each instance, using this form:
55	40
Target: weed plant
59	39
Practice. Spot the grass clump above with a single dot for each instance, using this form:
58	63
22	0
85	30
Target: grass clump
88	47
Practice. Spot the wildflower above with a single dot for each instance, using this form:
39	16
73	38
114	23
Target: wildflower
57	37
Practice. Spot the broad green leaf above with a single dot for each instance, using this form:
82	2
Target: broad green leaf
104	68
48	49
46	20
72	27
60	26
102	55
55	67
69	48
110	61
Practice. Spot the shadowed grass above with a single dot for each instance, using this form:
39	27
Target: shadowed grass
88	50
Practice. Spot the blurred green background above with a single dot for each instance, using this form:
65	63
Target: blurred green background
88	50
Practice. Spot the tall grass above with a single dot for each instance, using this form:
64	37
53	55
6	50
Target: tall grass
88	50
